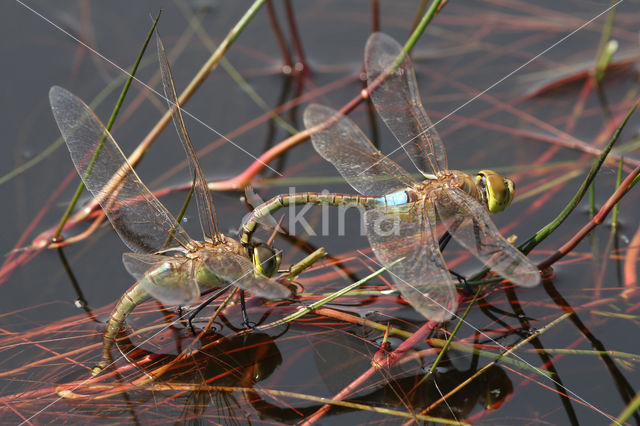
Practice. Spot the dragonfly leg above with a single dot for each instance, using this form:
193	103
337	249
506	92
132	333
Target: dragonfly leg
203	305
462	280
442	244
243	308
444	240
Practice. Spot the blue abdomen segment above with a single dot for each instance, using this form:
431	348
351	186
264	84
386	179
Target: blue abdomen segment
395	198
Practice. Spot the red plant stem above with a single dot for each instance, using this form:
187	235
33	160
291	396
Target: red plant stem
630	259
579	75
393	357
244	179
349	318
578	108
560	137
295	38
597	220
375	16
11	262
284	51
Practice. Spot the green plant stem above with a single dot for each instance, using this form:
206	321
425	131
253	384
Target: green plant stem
625	187
603	55
468	348
543	233
422	25
233	73
633	406
116	389
453	333
613	354
305	263
180	215
327	299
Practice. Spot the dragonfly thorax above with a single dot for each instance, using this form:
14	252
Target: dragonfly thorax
224	245
451	179
265	259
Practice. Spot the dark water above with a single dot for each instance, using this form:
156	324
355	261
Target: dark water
467	49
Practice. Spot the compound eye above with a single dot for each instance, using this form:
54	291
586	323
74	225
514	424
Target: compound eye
266	259
497	191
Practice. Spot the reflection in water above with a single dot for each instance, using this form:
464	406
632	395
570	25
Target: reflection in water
240	361
406	386
245	361
414	394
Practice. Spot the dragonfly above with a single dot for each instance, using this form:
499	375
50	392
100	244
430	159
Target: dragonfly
401	213
166	262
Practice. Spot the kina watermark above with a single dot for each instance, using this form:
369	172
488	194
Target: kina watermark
383	221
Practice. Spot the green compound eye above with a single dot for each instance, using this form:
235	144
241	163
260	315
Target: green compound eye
266	260
496	190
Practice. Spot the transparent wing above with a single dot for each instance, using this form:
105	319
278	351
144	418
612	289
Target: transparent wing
238	271
137	264
206	210
341	142
394	93
470	225
141	221
422	277
170	280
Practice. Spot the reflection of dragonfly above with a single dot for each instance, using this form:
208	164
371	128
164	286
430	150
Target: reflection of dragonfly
177	272
199	381
401	213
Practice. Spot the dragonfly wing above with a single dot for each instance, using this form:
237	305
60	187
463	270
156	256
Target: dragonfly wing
471	226
137	264
238	271
341	142
395	94
206	210
422	277
141	221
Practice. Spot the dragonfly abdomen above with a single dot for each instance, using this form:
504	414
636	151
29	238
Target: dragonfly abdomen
314	198
395	198
127	303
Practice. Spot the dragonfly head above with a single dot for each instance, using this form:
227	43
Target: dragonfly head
497	191
266	259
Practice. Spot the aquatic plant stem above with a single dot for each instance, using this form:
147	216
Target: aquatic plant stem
277	31
69	392
598	219
543	233
305	310
453	334
629	410
435	7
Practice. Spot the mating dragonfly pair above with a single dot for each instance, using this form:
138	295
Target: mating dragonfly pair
400	217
